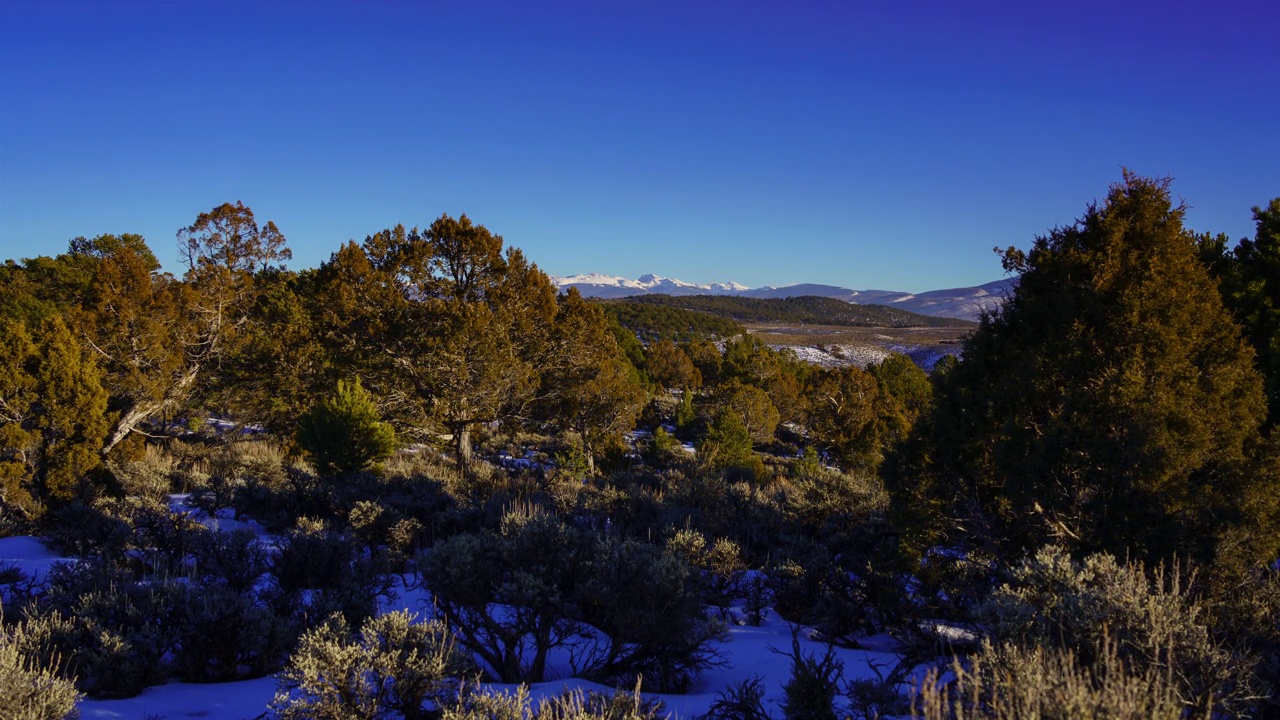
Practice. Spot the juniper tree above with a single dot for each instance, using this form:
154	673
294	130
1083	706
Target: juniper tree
1110	404
843	407
52	414
449	330
1250	277
588	385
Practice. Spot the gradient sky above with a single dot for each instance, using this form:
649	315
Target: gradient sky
865	144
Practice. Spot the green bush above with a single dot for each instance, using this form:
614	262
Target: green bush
344	434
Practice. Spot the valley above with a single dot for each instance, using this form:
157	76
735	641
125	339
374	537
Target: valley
836	345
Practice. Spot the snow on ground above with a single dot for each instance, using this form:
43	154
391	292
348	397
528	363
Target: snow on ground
839	355
747	652
215	701
30	556
224	521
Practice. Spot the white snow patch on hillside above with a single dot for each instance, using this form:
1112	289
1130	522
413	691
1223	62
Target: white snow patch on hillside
839	355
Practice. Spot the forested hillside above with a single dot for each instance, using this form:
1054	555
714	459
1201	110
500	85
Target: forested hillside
809	310
653	321
249	466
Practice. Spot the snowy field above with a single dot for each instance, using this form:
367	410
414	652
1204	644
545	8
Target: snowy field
747	652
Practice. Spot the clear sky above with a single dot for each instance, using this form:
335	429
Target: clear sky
886	144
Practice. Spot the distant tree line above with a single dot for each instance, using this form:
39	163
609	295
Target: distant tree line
808	310
653	322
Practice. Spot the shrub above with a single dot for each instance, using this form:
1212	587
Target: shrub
1153	621
647	605
530	568
572	705
1010	683
812	588
322	571
112	629
30	690
744	701
478	704
394	668
228	635
576	705
720	567
810	692
106	660
1247	615
619	608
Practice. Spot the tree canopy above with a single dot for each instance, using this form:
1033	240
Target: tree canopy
1111	404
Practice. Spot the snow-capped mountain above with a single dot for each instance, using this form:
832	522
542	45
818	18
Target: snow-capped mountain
966	303
608	286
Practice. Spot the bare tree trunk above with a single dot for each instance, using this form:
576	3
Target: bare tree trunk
462	448
134	416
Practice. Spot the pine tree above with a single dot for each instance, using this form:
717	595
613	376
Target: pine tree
344	433
1111	404
728	442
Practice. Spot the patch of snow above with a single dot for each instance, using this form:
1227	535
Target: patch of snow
30	556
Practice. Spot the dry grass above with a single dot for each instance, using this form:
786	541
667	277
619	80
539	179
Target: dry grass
1010	683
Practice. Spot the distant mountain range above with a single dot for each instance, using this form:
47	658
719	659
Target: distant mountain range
964	303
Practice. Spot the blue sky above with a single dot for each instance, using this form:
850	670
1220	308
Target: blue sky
865	144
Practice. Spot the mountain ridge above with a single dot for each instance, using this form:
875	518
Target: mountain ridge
965	303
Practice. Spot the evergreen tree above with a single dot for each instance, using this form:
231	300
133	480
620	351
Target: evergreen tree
843	408
728	442
753	408
138	321
17	401
670	367
72	408
1251	289
344	433
588	384
460	330
1110	404
52	415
